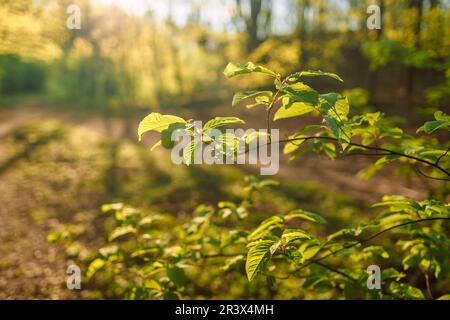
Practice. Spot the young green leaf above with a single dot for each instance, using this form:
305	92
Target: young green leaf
298	75
176	275
294	234
166	135
255	135
189	152
406	291
218	122
442	122
258	257
333	126
334	105
300	92
240	96
121	232
268	224
235	69
302	214
290	109
95	266
157	122
231	262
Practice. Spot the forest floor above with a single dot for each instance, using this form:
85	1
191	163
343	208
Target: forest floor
49	174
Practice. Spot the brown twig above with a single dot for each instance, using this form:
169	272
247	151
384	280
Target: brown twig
420	172
269	110
359	242
442	156
335	271
390	152
427	282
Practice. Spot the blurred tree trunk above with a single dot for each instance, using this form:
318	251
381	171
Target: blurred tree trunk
252	21
302	6
434	3
416	5
373	74
252	24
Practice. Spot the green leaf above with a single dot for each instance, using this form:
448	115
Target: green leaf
121	232
231	262
146	251
157	122
228	208
300	92
54	236
406	291
111	207
235	69
335	105
176	275
220	122
240	96
166	135
268	224
258	257
333	125
254	135
444	297
432	126
302	214
293	235
291	109
349	232
308	250
298	75
391	273
230	144
189	152
293	146
94	266
442	122
108	251
138	293
376	251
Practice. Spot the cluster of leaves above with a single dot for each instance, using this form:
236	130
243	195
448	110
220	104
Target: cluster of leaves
408	239
151	255
370	132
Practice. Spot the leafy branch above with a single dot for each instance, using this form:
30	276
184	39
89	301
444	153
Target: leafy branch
360	242
387	151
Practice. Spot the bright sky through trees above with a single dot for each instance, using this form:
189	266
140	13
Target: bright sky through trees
215	13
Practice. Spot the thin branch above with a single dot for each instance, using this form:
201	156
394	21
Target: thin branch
427	282
333	253
377	149
391	152
365	154
335	271
429	177
269	111
442	156
222	255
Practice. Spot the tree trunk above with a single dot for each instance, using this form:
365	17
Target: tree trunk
302	5
410	75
